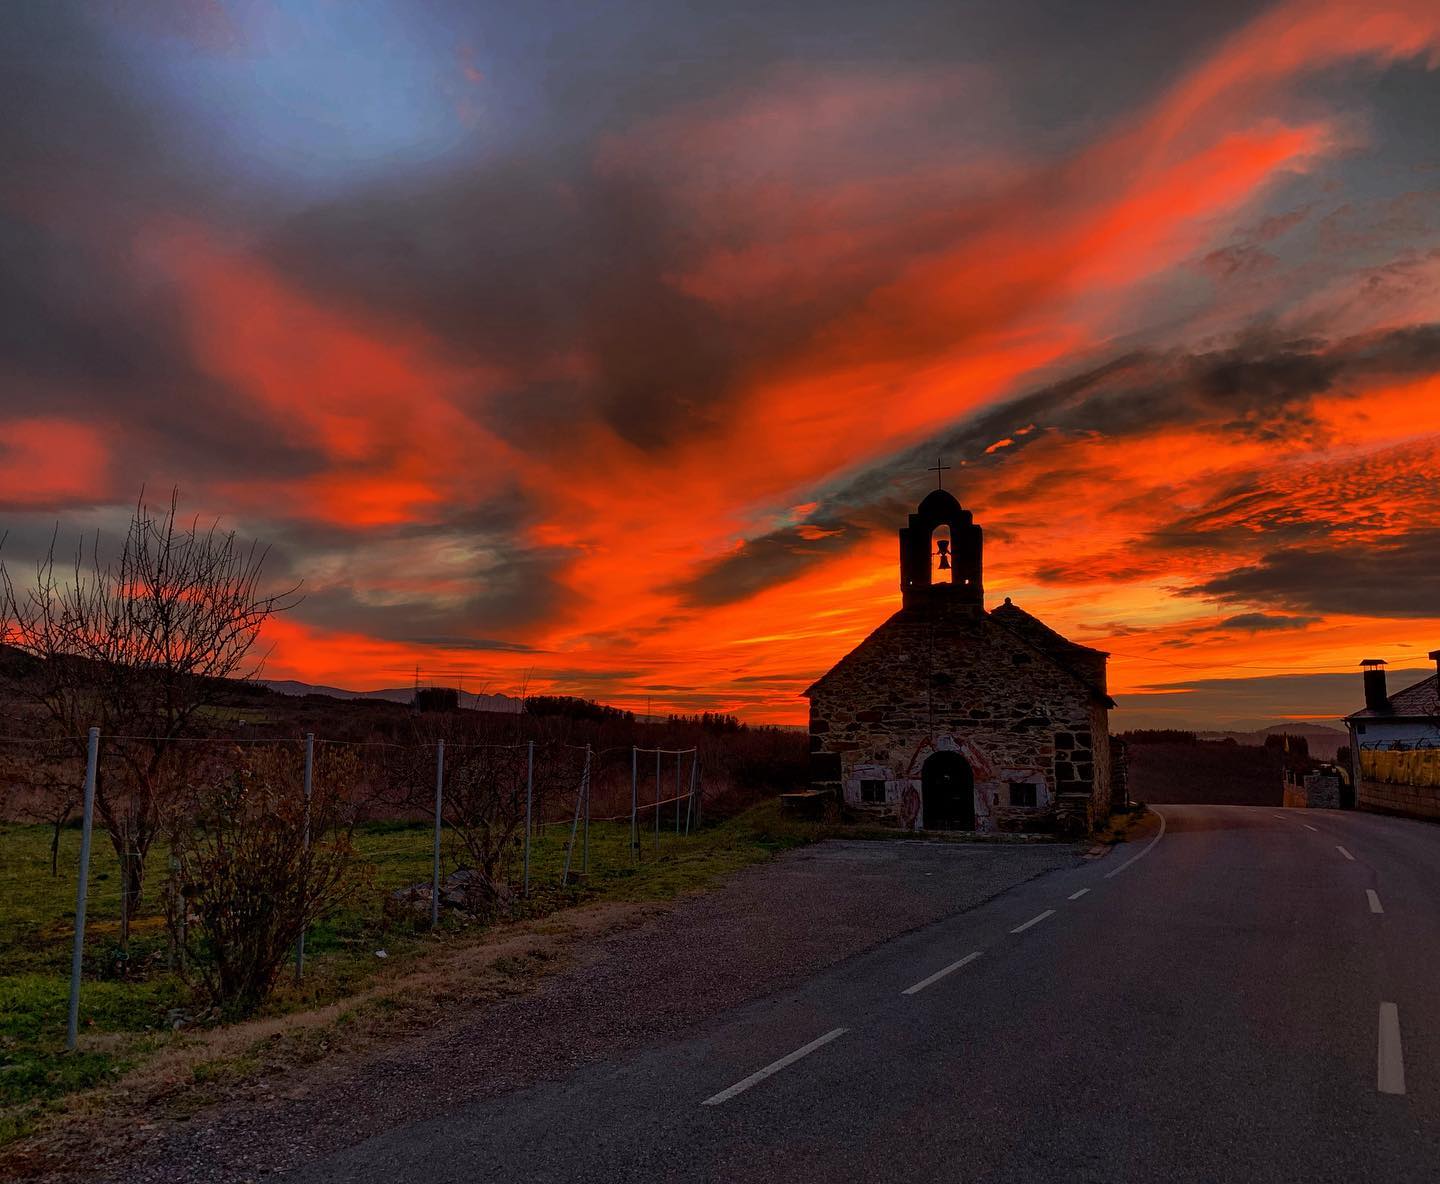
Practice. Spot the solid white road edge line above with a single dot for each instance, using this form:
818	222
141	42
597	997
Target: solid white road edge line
939	974
1077	895
1307	826
1033	921
1140	854
1344	852
1374	898
770	1070
1390	1074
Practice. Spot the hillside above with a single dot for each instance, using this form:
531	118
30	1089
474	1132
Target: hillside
1324	742
1212	772
468	700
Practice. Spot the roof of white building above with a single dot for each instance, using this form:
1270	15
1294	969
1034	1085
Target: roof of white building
1421	701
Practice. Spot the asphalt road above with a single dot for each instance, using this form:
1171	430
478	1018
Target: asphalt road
1251	995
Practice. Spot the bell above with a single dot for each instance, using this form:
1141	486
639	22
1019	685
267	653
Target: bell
944	561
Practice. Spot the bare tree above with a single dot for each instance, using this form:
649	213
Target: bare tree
136	645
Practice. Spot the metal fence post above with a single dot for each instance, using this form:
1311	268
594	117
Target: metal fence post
690	797
439	800
309	783
699	790
529	797
92	750
585	860
677	791
635	802
657	799
575	821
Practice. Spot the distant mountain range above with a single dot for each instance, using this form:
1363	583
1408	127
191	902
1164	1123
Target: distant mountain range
1323	742
472	702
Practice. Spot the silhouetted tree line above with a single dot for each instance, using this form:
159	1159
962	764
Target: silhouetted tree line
437	699
710	721
572	707
1158	736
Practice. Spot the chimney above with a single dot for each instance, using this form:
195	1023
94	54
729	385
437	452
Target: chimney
1434	656
1375	697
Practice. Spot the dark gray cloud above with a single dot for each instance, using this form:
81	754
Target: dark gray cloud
1251	700
1259	622
479	644
1377	579
769	559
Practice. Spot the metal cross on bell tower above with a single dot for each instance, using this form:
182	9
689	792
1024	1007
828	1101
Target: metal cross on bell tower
938	468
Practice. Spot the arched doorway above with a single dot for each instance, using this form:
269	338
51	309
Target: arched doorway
947	788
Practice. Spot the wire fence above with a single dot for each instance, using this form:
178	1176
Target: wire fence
432	820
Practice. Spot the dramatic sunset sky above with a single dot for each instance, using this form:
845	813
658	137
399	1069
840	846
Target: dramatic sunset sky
603	346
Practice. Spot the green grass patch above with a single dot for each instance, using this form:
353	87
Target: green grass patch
129	1001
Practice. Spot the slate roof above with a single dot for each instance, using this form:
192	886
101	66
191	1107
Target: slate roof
1421	701
1078	660
1030	631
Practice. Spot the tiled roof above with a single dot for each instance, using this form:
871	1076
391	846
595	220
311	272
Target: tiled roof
1421	701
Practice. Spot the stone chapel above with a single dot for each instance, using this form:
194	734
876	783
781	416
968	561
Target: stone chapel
954	717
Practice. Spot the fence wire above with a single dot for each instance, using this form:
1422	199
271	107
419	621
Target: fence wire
429	821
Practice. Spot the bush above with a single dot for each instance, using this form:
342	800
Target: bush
254	866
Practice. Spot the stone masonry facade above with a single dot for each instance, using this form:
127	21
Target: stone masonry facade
983	719
1414	801
958	680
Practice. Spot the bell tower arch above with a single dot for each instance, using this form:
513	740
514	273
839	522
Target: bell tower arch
929	553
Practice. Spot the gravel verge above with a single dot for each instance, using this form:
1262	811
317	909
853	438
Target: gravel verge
764	929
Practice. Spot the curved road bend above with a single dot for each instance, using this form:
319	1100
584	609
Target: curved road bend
1243	1002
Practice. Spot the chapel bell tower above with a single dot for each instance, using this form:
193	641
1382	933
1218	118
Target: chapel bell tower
941	555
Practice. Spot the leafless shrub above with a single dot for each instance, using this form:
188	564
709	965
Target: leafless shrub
254	865
484	807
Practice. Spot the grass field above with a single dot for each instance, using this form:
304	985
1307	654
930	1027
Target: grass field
128	1005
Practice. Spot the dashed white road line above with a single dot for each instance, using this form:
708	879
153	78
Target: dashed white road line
1281	817
1139	855
770	1070
939	974
1033	921
1374	898
1390	1071
1077	895
1344	852
1307	826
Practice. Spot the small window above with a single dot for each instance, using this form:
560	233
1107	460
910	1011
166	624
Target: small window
872	791
1022	793
1360	728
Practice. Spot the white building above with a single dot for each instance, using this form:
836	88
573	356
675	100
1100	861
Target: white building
1410	716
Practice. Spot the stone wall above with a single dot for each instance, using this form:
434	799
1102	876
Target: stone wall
957	681
1322	791
1416	801
1313	791
1119	773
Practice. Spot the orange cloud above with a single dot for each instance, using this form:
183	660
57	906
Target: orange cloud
45	463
